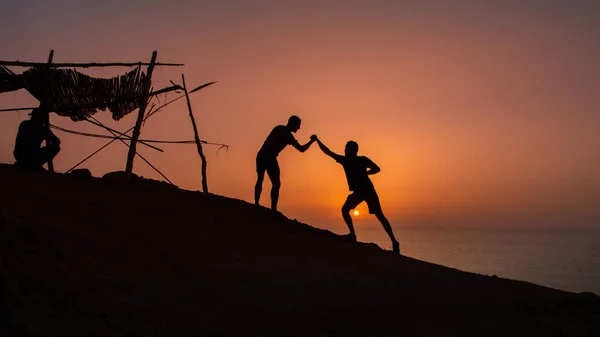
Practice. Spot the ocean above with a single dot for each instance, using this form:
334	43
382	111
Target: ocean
566	259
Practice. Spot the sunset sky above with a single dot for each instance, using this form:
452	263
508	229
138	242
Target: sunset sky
480	113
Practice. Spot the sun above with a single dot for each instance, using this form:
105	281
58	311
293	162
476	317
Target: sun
356	213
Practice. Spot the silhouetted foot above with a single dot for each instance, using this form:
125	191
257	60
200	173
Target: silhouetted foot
396	247
277	214
349	237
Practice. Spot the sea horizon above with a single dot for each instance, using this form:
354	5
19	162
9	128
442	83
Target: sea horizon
563	258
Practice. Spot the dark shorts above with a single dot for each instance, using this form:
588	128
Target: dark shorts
269	164
368	196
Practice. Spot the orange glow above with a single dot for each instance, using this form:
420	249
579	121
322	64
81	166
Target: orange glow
468	117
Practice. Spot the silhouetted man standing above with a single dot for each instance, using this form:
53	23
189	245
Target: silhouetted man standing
28	151
358	169
266	160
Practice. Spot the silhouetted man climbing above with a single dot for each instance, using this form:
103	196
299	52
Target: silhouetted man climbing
358	169
266	159
28	151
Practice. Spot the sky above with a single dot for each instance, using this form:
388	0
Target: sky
479	113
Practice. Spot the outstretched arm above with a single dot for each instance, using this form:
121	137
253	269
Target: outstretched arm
326	150
304	147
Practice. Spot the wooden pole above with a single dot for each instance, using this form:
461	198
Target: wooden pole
121	134
15	109
47	115
196	137
140	118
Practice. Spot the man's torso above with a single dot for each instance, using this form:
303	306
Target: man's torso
278	139
29	137
356	173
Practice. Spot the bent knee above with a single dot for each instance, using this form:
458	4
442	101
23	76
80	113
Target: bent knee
53	149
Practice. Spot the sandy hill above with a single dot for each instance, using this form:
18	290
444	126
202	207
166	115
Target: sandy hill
93	257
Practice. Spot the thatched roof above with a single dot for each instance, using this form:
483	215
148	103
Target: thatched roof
70	93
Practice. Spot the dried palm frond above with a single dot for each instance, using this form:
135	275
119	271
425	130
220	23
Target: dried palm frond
77	96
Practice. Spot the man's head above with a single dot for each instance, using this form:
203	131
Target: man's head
38	115
294	123
351	149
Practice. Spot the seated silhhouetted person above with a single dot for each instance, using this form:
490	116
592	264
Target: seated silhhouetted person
266	159
29	152
357	169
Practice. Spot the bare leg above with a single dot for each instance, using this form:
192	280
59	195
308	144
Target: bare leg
388	229
258	188
275	193
46	154
348	206
274	176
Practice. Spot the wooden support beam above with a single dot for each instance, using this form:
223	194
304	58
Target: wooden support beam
121	134
47	115
165	90
140	118
86	65
196	137
16	109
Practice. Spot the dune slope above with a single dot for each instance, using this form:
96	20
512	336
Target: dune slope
92	257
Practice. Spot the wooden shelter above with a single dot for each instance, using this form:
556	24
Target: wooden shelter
60	88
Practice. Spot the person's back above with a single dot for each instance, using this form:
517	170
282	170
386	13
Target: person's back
29	139
278	139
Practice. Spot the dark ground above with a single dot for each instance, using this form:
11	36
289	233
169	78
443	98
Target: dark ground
92	257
